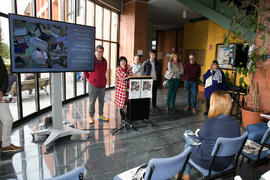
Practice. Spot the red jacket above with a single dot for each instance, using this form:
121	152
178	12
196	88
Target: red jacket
98	77
121	86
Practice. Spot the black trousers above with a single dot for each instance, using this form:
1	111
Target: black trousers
125	112
154	93
207	105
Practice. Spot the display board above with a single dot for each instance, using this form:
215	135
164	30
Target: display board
225	55
40	45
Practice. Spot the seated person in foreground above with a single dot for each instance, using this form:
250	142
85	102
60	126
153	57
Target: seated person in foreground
218	124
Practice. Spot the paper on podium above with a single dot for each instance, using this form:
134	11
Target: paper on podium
147	85
135	89
265	116
140	87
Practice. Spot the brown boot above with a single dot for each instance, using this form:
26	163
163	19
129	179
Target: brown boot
12	148
194	111
187	108
185	177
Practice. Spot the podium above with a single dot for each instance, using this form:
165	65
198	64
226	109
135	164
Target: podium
139	99
138	105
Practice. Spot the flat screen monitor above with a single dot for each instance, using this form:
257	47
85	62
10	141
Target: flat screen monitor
40	45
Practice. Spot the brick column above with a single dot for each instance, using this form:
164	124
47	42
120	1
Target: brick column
133	29
262	74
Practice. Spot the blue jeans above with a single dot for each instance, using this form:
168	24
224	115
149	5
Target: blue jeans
188	143
191	89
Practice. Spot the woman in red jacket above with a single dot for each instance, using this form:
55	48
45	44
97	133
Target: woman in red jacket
123	71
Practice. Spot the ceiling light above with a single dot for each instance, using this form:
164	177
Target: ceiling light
184	14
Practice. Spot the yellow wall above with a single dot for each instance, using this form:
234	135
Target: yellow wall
206	35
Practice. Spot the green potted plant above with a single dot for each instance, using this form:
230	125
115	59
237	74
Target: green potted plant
256	22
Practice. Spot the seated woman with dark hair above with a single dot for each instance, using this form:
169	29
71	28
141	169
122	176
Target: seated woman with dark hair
123	71
218	124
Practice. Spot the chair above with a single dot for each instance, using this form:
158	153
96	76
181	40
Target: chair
223	147
261	157
161	168
75	174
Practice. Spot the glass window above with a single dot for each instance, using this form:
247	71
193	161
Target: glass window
113	63
99	14
44	92
56	10
24	7
69	85
98	43
28	93
79	81
106	55
80	12
90	14
5	53
70	10
114	25
106	24
42	8
154	45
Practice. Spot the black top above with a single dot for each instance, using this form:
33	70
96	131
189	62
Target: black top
147	68
221	126
3	77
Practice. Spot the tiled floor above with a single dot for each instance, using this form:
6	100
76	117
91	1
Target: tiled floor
102	154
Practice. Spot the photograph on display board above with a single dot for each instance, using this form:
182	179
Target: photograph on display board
39	45
135	89
146	91
225	56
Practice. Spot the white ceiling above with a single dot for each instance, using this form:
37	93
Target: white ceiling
168	14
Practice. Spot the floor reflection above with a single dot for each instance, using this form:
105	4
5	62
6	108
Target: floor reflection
102	154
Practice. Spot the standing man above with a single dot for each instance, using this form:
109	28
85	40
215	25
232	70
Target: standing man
192	72
151	67
97	83
5	115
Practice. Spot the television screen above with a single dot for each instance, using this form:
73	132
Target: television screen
40	45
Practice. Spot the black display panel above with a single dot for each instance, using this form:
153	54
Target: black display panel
40	45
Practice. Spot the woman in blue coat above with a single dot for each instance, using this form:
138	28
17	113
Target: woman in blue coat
214	80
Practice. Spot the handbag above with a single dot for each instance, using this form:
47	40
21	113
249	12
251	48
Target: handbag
165	83
168	75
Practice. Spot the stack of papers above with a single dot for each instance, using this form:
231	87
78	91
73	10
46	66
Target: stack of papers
253	147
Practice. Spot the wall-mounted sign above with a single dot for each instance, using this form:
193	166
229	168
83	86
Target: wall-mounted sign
139	52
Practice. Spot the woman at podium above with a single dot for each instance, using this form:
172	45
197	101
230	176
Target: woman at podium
123	71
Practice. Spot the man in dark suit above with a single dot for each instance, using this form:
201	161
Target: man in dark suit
151	67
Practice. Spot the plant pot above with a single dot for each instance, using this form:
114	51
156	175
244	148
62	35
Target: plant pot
201	88
250	117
